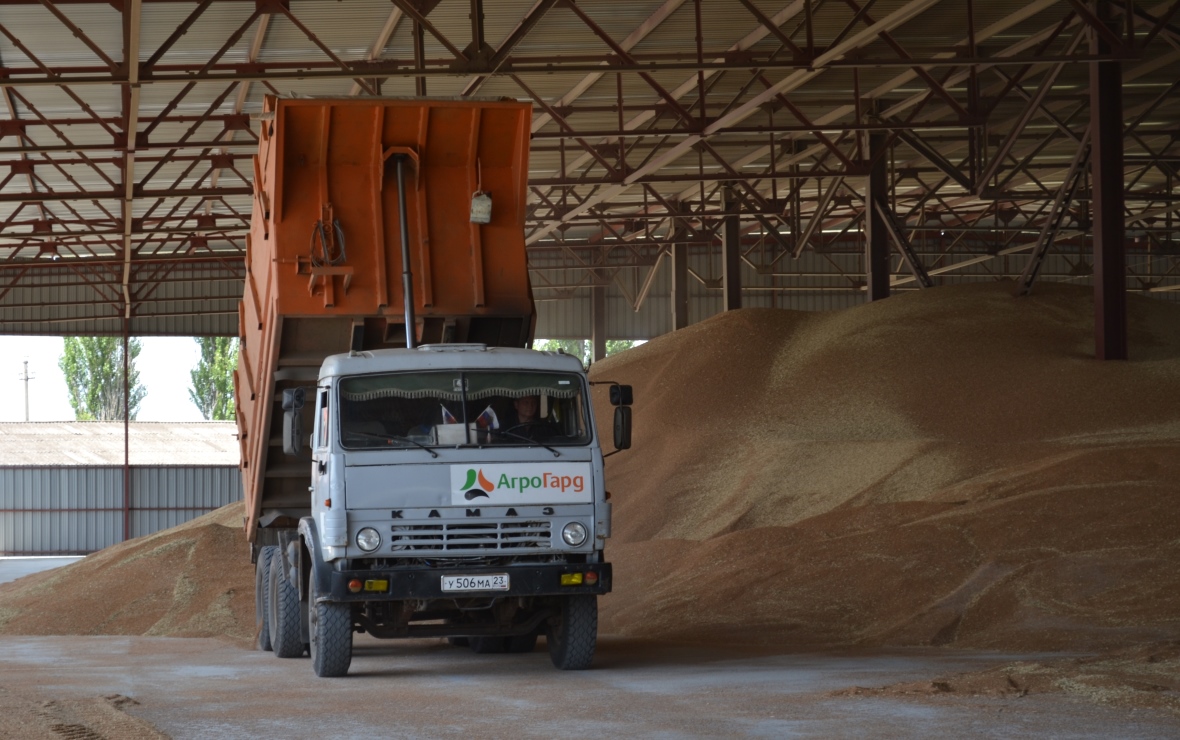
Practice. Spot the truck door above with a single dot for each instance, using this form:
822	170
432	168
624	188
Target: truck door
320	449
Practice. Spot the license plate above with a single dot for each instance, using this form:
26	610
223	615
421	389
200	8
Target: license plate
493	582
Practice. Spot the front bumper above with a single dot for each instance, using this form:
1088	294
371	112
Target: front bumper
426	583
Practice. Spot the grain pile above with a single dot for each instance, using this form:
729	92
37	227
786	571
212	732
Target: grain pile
949	467
944	467
194	580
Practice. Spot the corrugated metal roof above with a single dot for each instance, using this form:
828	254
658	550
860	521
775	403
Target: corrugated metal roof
90	443
89	298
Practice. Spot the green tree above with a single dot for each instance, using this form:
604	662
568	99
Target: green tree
93	367
615	346
213	378
579	348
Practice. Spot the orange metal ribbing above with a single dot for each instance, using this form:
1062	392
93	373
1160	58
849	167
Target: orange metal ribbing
316	153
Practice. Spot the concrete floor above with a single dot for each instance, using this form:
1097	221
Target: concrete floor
425	688
12	568
192	688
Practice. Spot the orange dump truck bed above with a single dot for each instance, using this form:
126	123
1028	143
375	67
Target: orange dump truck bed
323	260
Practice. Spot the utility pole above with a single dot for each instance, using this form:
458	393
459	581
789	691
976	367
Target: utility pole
26	377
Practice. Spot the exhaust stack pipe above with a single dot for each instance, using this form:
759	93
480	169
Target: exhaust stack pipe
407	277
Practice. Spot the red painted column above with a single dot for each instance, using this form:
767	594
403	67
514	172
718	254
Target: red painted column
1106	167
679	286
731	256
876	237
126	429
597	321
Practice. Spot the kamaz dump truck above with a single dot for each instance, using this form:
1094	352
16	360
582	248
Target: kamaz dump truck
410	467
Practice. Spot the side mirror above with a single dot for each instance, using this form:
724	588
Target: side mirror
620	395
622	427
292	420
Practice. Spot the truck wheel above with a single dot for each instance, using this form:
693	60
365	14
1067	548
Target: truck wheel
262	599
488	645
284	612
458	641
522	643
330	626
573	634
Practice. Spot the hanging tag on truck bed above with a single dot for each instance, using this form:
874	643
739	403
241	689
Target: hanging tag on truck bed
481	208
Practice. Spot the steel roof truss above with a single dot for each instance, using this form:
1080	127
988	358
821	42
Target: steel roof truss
1159	24
1057	215
181	30
412	9
500	54
771	26
327	52
590	149
627	58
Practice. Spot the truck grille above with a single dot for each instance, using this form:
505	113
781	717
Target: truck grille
470	536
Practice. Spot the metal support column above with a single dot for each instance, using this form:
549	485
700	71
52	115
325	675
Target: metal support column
679	286
876	232
126	428
731	255
598	322
1106	167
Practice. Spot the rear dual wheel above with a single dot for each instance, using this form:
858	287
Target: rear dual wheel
284	611
330	625
262	598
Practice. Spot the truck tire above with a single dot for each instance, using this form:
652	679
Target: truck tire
285	639
573	634
488	645
330	626
522	643
458	641
262	599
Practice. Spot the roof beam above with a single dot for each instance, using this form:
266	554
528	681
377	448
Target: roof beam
540	7
240	100
653	21
791	82
378	48
131	20
411	9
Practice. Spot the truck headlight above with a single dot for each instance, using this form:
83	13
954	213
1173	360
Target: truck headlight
368	540
574	533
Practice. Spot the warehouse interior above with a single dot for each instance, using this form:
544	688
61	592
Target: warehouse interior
908	272
697	155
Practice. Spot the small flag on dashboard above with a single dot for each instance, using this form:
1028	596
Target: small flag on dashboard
488	419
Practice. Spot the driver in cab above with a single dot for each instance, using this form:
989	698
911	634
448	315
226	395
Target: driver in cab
529	423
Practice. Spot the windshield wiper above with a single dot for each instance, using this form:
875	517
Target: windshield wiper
390	437
507	433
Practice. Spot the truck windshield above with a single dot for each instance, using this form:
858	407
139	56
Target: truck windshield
449	408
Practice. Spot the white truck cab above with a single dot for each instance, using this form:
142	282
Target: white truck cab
457	491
